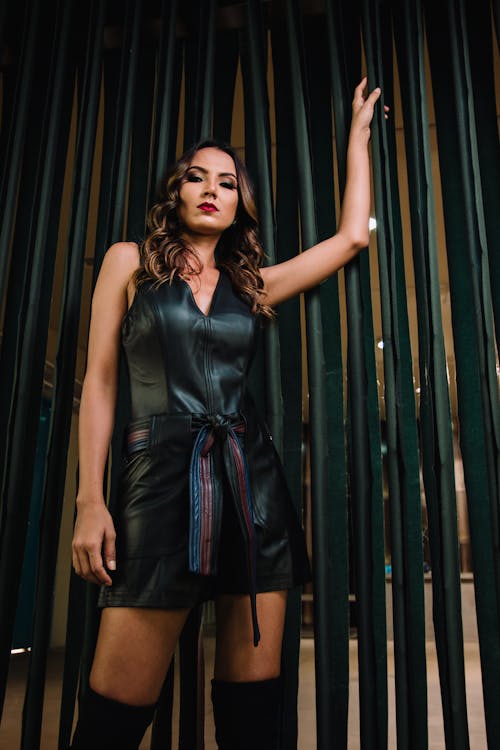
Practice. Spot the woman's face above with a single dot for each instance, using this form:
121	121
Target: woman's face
208	196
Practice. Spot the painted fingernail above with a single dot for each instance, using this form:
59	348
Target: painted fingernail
112	564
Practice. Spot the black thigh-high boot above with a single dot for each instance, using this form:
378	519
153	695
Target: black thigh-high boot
247	714
105	724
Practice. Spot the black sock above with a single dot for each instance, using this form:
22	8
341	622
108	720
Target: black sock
106	724
247	714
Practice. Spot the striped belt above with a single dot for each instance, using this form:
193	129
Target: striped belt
206	490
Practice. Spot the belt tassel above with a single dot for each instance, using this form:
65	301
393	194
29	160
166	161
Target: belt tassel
206	502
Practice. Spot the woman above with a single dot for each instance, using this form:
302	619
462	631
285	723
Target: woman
203	510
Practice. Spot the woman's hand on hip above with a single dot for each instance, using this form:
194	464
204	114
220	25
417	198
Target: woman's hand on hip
93	547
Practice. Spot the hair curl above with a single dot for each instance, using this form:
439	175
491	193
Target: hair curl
165	254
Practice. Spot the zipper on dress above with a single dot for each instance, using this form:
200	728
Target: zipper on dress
208	364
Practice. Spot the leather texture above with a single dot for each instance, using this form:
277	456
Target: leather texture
183	366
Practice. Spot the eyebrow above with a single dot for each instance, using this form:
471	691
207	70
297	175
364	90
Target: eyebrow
221	174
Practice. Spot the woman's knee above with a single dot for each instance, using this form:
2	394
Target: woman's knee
133	652
236	658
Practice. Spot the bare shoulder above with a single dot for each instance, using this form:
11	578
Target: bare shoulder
123	257
118	265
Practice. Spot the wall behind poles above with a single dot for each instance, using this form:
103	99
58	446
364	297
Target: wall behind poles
133	83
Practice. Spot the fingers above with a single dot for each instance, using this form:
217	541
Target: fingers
361	101
359	91
109	550
359	95
88	564
93	545
374	96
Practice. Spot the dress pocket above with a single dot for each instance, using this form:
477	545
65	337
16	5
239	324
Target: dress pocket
269	489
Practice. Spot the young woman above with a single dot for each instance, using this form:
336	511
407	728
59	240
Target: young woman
203	510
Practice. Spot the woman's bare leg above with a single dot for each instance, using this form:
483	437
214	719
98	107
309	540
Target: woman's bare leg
246	690
236	658
134	649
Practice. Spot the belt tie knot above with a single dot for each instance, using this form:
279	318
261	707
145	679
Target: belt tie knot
219	424
206	496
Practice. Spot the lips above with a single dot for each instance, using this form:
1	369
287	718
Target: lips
208	207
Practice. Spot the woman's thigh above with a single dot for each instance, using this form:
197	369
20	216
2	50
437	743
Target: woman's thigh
236	658
133	652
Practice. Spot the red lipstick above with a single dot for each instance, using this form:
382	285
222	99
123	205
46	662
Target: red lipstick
209	207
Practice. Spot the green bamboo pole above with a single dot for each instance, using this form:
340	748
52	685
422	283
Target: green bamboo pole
73	645
227	52
162	153
166	103
496	17
12	28
116	200
256	381
479	32
120	80
199	71
199	87
365	480
317	400
257	98
208	71
469	287
81	631
3	14
52	505
8	91
67	342
402	448
435	418
255	74
192	692
131	56
27	326
366	510
161	732
317	38
140	144
289	324
17	135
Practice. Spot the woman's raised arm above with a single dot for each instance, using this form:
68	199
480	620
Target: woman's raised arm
309	268
94	533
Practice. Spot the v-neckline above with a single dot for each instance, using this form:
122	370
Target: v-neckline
214	293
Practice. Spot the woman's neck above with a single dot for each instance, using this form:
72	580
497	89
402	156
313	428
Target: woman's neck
204	247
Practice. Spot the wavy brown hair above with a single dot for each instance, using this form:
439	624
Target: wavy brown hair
165	254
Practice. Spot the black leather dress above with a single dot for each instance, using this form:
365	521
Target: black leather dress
203	506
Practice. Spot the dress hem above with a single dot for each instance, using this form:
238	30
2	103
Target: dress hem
115	600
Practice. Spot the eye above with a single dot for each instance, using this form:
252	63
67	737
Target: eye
229	185
193	177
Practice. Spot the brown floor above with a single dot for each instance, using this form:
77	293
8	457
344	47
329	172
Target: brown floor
10	728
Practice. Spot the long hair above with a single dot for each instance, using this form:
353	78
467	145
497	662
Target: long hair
165	254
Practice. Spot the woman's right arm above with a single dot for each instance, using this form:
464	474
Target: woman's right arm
93	547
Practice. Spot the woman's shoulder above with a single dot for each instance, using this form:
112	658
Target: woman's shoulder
118	266
121	260
123	254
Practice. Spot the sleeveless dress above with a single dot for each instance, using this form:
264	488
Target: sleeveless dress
202	506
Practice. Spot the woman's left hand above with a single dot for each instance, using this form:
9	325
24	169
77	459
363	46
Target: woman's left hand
363	106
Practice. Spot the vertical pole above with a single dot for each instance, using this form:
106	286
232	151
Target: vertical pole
477	386
401	428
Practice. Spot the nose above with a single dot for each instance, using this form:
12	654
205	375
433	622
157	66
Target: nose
210	187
